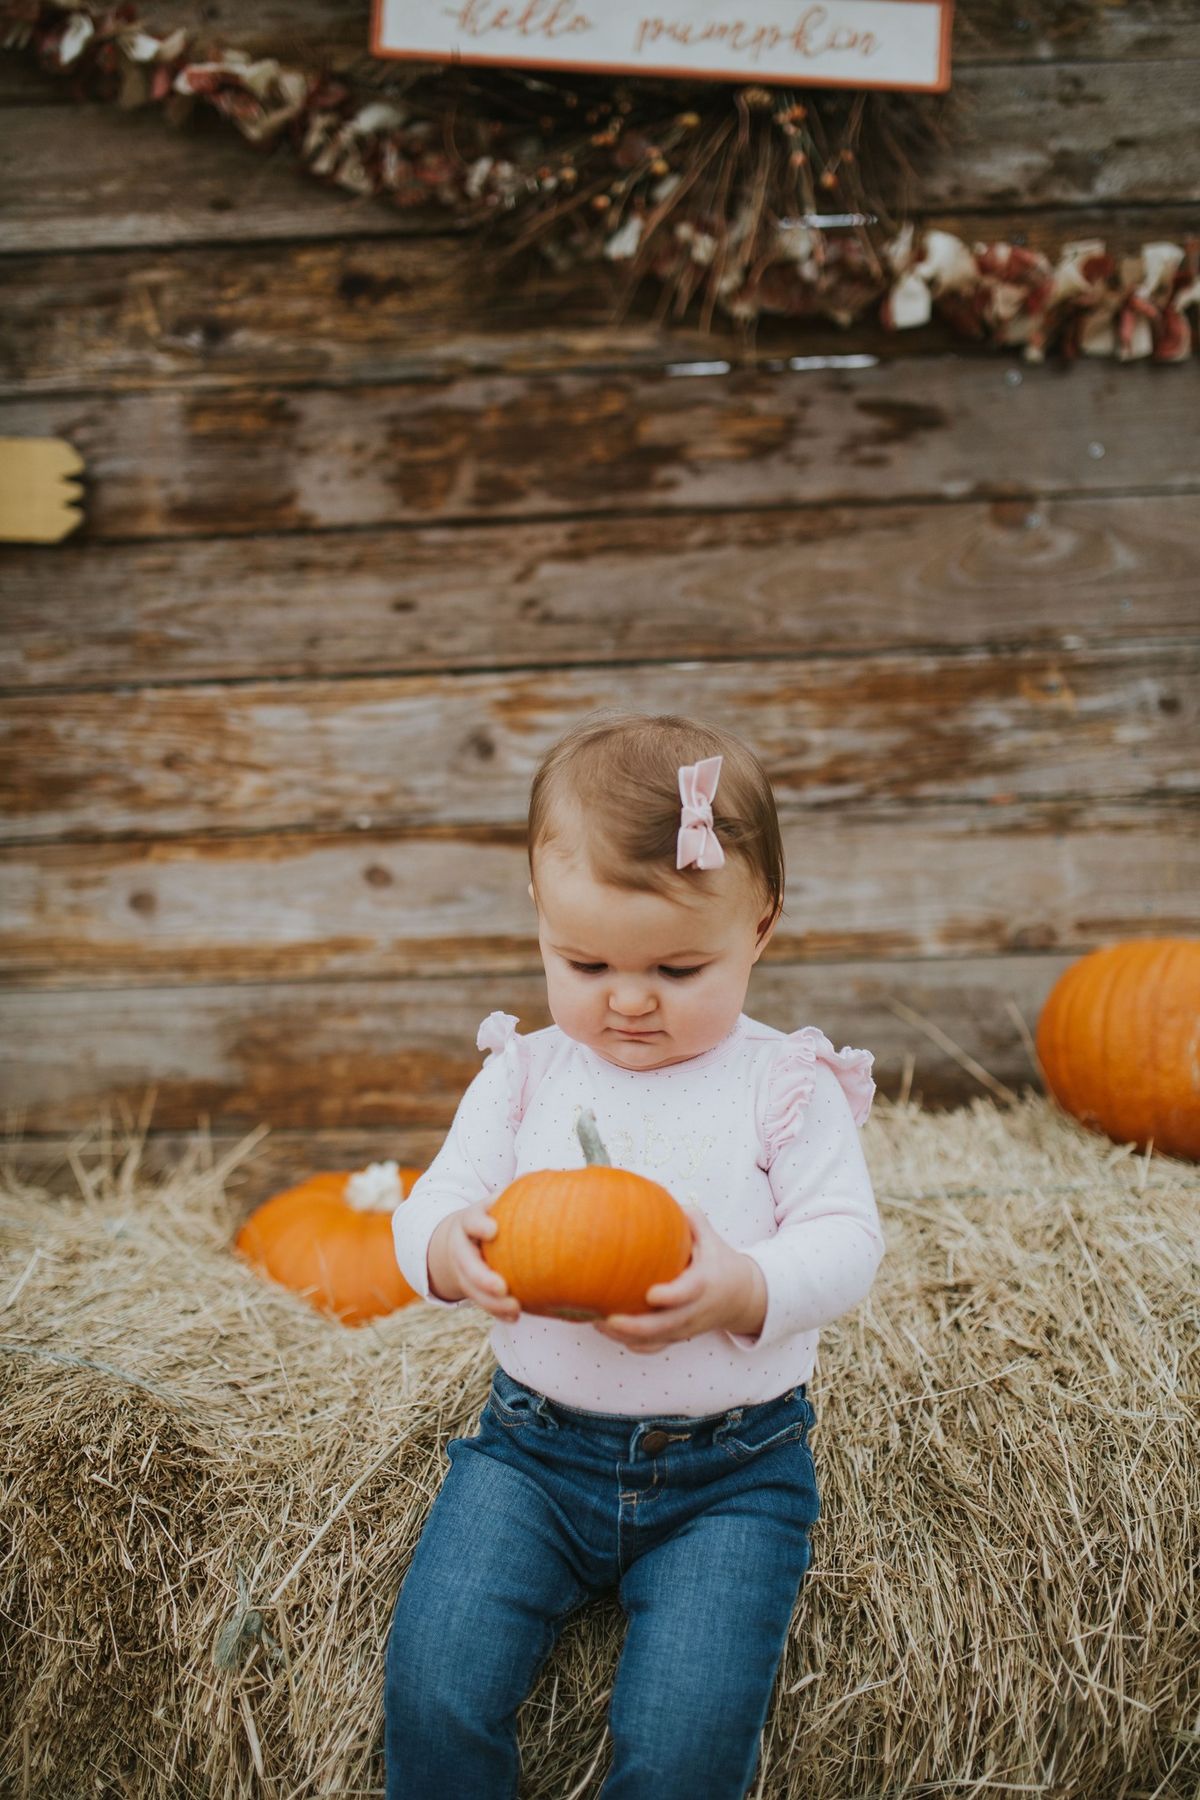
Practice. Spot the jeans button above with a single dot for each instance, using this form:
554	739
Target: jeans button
653	1442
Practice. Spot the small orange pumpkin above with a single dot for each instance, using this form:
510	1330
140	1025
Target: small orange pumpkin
584	1243
1119	1042
330	1239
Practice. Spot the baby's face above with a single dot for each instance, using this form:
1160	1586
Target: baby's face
643	980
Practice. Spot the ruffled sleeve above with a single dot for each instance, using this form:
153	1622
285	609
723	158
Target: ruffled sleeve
821	1258
477	1158
498	1036
793	1077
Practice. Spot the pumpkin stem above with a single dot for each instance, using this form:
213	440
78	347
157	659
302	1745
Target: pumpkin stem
377	1188
589	1137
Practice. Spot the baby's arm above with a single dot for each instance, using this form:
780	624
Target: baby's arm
822	1260
437	1229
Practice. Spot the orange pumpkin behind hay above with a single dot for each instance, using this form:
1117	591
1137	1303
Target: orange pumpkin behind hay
330	1239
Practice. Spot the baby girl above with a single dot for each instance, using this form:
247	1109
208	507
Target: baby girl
663	1454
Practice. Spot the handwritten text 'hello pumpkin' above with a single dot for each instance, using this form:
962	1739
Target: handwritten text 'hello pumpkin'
550	20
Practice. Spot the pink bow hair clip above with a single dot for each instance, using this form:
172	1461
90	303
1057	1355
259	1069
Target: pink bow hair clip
697	842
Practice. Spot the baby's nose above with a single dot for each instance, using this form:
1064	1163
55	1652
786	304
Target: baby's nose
631	1002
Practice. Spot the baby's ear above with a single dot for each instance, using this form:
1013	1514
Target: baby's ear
766	930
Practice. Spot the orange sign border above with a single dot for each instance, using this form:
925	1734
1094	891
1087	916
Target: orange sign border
750	76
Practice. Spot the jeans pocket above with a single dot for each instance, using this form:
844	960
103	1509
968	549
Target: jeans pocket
512	1405
768	1427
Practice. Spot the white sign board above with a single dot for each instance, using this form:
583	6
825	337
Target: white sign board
836	43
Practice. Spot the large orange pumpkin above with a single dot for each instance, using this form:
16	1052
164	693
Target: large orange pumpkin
1119	1042
330	1239
584	1243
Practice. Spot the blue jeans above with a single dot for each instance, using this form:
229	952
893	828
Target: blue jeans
702	1526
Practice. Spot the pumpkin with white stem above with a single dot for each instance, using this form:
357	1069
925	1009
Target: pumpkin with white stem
330	1239
585	1243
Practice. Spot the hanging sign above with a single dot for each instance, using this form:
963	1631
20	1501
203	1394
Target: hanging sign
836	43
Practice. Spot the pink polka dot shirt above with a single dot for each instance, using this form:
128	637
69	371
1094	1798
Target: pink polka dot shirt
761	1133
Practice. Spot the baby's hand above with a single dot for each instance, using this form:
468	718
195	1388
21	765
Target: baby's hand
455	1254
719	1290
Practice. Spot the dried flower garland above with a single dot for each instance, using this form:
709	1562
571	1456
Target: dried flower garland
743	198
1088	303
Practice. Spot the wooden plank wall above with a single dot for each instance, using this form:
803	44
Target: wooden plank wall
367	526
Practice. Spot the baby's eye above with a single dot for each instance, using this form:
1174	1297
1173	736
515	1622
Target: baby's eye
678	974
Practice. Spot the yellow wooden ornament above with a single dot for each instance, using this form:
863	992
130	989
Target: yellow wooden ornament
39	497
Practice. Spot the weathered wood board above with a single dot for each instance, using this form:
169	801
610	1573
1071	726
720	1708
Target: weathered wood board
1057	575
929	882
391	1053
1050	134
150	182
460	749
370	520
369	309
1118	132
506	446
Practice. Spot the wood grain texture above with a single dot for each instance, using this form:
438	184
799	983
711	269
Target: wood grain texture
368	310
1135	30
186	464
361	1054
1052	135
1118	132
382	753
149	182
937	882
364	521
1054	574
355	309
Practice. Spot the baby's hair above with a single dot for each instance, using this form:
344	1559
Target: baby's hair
619	772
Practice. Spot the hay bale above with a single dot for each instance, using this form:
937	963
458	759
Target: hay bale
211	1494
